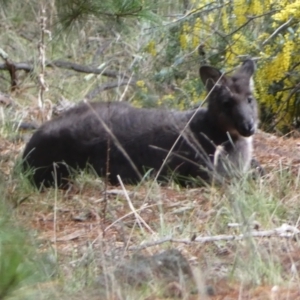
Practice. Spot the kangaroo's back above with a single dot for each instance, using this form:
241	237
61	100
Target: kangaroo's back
83	134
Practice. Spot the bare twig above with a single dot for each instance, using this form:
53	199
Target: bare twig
284	231
116	142
144	206
110	85
198	11
42	59
225	36
104	208
126	89
179	137
139	219
281	27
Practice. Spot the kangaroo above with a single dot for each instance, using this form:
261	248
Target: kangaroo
133	140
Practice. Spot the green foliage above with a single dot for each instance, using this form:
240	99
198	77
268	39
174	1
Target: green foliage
20	264
70	11
17	259
13	269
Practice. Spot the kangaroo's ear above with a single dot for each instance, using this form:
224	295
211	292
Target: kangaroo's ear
209	76
248	67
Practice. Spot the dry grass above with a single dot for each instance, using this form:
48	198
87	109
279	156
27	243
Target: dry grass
69	227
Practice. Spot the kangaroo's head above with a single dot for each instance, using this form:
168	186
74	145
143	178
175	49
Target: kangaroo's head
231	104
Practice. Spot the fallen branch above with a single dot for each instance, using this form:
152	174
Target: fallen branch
29	67
284	231
18	66
84	69
106	86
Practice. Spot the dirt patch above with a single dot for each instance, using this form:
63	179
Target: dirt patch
276	152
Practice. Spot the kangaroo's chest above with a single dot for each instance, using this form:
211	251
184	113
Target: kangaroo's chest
239	152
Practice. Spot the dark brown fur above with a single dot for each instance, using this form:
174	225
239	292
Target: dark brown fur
143	137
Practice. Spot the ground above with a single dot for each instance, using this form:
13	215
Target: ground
103	222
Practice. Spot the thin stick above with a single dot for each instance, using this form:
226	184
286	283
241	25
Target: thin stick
104	208
42	59
283	26
284	231
55	210
139	219
115	141
180	135
129	214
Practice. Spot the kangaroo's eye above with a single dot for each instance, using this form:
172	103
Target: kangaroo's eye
250	99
